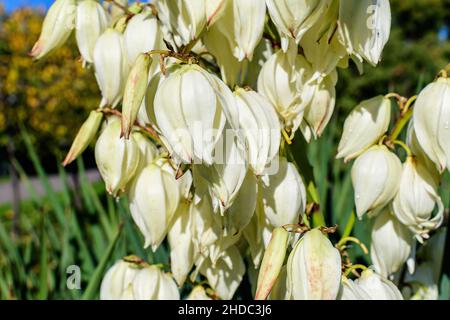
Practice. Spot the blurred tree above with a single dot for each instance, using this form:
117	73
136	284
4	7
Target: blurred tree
50	97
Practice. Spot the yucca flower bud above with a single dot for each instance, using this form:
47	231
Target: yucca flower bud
189	114
226	174
351	291
272	262
84	136
364	126
279	291
149	152
293	17
286	86
260	126
182	250
417	198
135	89
111	66
314	268
283	195
91	21
154	197
151	283
432	122
320	109
364	27
391	244
141	35
226	274
242	23
117	158
183	19
377	287
117	284
376	178
56	28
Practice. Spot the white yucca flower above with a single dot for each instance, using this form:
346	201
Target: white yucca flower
314	268
351	291
189	113
154	197
376	178
285	83
391	245
182	19
56	28
91	22
242	24
377	287
142	34
117	158
364	27
111	66
432	122
364	126
227	173
260	127
226	274
321	45
149	152
130	281
320	109
182	250
283	195
417	199
294	17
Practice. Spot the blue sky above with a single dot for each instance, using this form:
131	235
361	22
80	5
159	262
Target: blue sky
13	4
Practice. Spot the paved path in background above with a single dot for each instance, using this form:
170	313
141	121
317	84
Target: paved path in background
6	190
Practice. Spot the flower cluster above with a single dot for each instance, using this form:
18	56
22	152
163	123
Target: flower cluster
200	102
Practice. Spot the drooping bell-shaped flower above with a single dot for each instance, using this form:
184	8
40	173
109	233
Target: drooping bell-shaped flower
351	291
321	45
111	66
364	126
182	20
378	287
391	244
227	173
364	27
117	284
151	283
283	195
154	198
286	85
432	122
226	274
294	17
91	21
417	199
141	35
182	251
260	127
242	24
56	28
314	268
189	113
320	109
149	152
376	179
117	158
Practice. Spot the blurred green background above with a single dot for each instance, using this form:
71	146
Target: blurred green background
52	217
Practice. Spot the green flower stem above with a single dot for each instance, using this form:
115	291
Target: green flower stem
401	123
354	267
